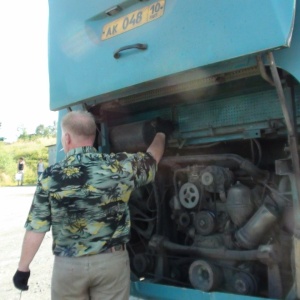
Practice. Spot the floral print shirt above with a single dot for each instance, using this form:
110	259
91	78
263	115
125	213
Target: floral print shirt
83	199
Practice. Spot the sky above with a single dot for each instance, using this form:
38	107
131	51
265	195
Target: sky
24	89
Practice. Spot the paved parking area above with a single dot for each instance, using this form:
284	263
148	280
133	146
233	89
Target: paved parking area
15	204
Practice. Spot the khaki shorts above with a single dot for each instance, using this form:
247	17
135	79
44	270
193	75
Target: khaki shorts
104	276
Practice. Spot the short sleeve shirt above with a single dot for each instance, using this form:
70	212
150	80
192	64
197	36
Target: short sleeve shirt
83	199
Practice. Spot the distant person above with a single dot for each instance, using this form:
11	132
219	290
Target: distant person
40	168
20	171
83	199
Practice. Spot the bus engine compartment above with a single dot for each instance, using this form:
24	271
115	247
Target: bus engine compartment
219	216
216	227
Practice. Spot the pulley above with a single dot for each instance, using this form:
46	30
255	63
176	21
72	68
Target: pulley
189	195
244	284
205	276
205	222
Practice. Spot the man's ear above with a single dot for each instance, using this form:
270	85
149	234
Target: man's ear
67	138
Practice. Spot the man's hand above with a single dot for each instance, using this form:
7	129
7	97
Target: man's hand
164	126
20	280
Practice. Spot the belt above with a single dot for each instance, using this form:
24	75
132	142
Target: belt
121	247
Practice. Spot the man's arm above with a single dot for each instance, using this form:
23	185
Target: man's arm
31	244
157	147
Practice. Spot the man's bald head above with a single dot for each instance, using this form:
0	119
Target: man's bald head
78	130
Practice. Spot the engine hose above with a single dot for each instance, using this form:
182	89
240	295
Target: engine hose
242	163
158	208
263	254
284	184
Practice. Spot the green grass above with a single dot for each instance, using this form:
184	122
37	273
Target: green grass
31	151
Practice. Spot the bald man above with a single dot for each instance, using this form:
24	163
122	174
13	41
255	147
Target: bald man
84	200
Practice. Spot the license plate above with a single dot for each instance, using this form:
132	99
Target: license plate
133	20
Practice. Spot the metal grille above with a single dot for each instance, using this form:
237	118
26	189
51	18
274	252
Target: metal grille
233	111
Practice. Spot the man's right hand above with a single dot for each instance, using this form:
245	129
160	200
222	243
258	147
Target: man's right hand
164	126
20	280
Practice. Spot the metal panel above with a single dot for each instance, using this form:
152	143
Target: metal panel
146	290
190	34
288	59
230	118
233	111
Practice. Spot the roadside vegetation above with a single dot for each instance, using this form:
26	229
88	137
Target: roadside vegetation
32	148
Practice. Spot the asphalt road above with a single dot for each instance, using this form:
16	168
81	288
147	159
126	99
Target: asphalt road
16	202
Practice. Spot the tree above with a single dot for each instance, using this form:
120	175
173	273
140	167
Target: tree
23	133
49	131
40	130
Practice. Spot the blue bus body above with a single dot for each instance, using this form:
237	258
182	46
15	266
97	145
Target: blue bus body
222	220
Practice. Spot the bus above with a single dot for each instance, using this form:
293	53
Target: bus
222	219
